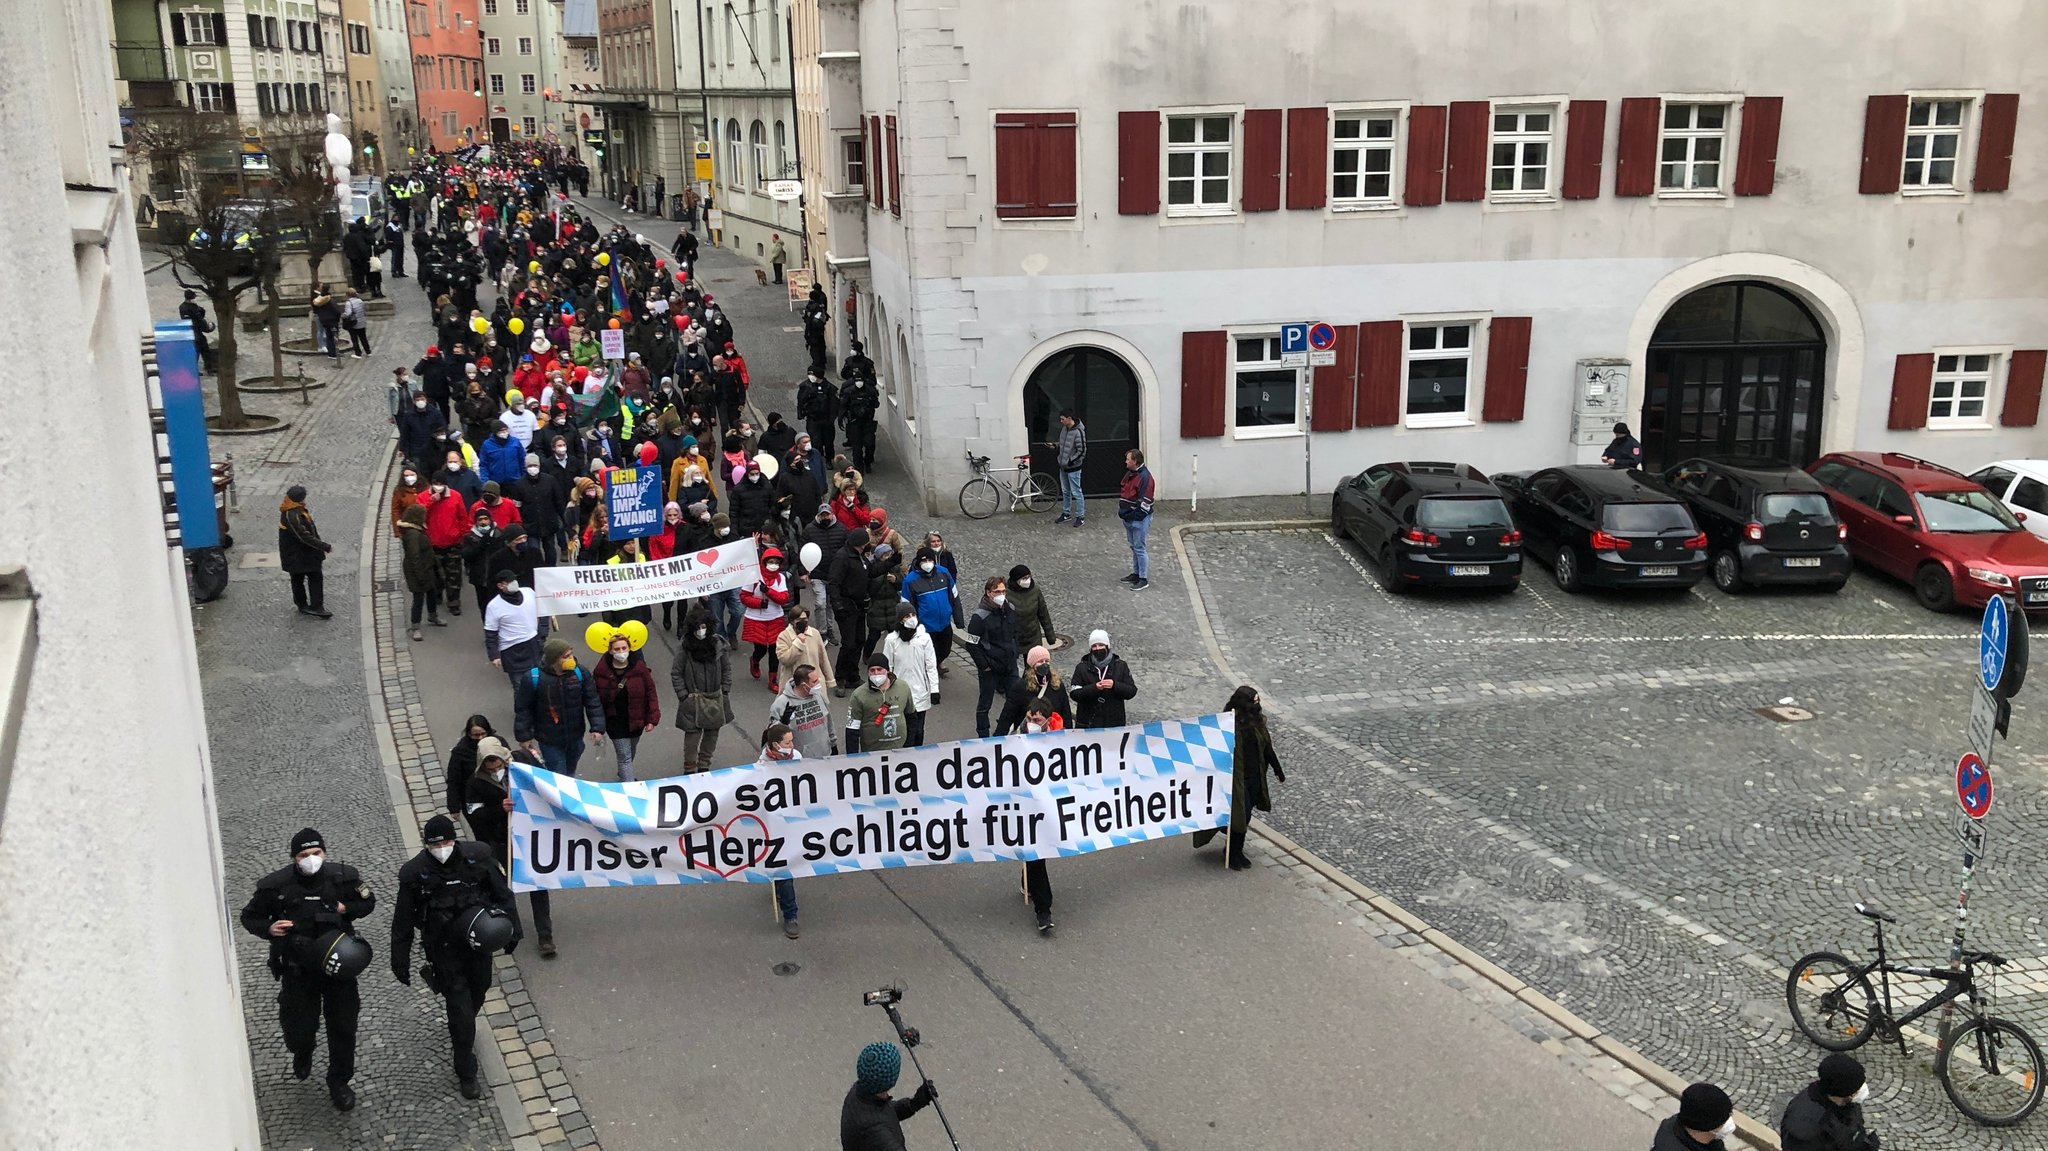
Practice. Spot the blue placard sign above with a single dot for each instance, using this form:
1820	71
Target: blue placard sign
632	502
1293	339
1992	637
177	367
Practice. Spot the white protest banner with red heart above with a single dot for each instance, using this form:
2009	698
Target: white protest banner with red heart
1016	797
610	587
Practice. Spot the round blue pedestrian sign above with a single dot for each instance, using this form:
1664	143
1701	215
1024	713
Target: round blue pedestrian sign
1973	785
1322	337
1992	637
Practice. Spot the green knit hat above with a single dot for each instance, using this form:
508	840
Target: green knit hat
877	1068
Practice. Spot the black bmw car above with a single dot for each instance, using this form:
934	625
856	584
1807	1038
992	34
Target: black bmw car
1766	523
1600	527
1429	524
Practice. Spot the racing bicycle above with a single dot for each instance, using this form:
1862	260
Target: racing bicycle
1031	492
1990	1067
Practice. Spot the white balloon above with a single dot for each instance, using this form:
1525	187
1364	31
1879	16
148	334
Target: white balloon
810	554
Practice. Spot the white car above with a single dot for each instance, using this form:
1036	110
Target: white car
2023	485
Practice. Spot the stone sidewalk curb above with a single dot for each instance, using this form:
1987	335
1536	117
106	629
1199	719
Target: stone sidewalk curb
1617	1067
527	1082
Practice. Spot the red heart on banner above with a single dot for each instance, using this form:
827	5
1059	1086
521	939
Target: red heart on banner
725	833
708	558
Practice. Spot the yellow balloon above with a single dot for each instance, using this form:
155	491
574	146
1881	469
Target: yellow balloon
604	259
516	325
635	633
533	266
598	636
479	325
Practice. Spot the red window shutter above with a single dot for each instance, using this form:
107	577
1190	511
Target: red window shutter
1507	369
1994	142
1635	147
1035	174
1137	165
1425	176
895	171
1465	168
1308	135
877	178
1261	190
1058	164
1585	143
2023	389
1912	383
1379	373
1335	386
1203	362
1756	156
1884	151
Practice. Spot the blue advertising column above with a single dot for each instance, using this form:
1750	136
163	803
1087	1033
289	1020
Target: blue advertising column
177	365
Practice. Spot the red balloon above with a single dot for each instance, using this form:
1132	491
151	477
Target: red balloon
682	322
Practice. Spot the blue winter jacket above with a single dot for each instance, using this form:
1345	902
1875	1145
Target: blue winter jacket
502	460
938	608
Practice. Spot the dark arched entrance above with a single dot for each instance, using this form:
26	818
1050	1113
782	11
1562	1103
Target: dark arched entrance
1102	391
1735	370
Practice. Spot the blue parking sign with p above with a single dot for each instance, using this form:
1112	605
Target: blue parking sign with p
1293	339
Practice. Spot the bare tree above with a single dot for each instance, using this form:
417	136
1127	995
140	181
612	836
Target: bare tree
230	246
308	194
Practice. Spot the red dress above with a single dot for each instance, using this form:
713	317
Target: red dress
764	602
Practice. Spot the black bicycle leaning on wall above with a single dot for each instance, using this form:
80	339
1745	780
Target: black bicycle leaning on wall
1990	1067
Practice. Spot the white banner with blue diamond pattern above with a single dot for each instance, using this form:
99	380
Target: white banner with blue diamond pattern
980	800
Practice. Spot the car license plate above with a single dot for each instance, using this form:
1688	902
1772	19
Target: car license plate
1659	571
2037	597
1803	562
1482	569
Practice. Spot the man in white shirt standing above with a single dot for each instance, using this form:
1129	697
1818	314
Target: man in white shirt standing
512	630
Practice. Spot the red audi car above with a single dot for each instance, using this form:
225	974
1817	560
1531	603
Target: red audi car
1955	542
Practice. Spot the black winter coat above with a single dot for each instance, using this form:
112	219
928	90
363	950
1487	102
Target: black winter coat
1669	1139
751	504
849	580
870	1124
992	638
1098	707
549	707
831	540
309	901
541	499
1814	1122
484	806
300	549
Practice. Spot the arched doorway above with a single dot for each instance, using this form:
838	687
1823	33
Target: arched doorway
1102	391
1735	369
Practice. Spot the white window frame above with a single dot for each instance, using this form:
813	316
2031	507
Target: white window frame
1966	139
526	45
529	127
208	96
1728	134
522	7
497	84
1167	150
757	142
1553	157
490	7
1475	366
493	46
197	19
529	84
1994	387
1271	334
846	182
736	156
1396	144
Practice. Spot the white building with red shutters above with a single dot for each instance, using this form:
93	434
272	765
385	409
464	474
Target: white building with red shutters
1748	228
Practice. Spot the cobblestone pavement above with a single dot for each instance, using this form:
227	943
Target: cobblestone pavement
1580	790
294	745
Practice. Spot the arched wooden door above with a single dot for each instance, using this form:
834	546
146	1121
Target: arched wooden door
1735	370
1099	388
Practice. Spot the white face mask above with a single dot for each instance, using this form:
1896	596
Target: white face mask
773	568
441	854
311	864
1725	1130
533	470
926	566
420	405
620	657
1025	584
724	532
497	776
703	633
879	679
1033	725
1862	1093
998	599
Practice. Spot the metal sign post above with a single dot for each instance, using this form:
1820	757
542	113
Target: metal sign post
2001	667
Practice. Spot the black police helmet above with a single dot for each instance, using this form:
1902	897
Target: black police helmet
342	954
487	928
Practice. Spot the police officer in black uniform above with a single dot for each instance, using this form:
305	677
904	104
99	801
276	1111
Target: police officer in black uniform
295	907
859	400
435	889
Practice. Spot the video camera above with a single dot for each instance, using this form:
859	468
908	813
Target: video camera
887	998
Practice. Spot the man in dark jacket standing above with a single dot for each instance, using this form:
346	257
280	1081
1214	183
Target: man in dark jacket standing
435	887
294	907
1705	1120
1102	682
555	707
850	583
817	405
195	312
1134	508
1623	451
300	552
1828	1115
541	498
869	1120
859	400
487	804
1027	604
1070	451
992	644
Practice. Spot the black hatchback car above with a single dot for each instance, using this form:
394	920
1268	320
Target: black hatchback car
1766	523
1600	527
1435	524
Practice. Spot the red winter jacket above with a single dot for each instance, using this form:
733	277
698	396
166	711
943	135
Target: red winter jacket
662	544
504	513
447	518
642	702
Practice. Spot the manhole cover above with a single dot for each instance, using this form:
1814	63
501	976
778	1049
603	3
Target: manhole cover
1785	713
787	968
1060	642
387	585
257	560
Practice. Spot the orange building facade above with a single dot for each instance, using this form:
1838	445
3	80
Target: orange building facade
448	71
